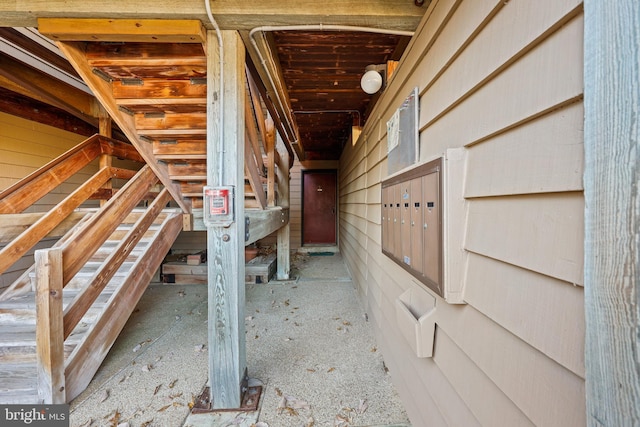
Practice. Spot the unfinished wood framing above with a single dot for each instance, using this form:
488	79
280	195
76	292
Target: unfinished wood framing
612	215
227	351
49	328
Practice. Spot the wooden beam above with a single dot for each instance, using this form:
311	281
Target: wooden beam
50	90
612	211
123	30
270	145
49	339
230	14
225	245
252	133
264	222
284	233
102	90
251	171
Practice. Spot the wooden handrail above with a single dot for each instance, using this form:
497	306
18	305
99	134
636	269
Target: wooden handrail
19	246
82	302
29	190
24	193
97	229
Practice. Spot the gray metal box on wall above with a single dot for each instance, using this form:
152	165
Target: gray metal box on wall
403	135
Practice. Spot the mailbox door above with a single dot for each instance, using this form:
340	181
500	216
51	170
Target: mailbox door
431	227
416	207
405	223
397	222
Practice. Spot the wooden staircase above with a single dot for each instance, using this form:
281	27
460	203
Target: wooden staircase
59	319
151	77
18	355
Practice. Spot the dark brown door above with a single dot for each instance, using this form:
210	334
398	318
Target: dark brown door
319	205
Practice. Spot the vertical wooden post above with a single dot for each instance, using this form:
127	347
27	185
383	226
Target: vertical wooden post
284	233
105	125
49	326
225	245
612	211
270	145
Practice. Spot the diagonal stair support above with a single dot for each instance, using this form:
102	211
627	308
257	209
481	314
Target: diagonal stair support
102	91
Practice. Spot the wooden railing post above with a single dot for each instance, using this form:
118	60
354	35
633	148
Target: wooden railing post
106	161
49	326
270	145
284	233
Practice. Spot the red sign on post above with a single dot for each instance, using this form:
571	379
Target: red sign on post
219	201
218	205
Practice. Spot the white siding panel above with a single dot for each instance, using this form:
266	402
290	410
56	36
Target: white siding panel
543	233
545	155
546	313
545	78
545	391
525	22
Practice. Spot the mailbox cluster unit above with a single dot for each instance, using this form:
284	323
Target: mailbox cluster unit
412	222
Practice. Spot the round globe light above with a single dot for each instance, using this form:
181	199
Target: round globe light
371	82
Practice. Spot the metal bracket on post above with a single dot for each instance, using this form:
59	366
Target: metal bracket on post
247	221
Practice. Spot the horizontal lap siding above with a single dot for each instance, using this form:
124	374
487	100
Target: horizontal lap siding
24	147
504	80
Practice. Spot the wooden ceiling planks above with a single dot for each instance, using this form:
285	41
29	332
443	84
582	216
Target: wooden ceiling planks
322	71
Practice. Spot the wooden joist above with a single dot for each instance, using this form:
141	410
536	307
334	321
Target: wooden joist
123	30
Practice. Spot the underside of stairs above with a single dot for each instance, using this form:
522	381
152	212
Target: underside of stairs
151	78
59	319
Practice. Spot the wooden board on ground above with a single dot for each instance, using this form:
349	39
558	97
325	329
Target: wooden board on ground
260	269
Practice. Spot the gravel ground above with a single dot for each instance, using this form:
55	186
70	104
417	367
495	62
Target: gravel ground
308	343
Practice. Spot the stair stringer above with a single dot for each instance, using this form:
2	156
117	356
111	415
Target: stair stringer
84	361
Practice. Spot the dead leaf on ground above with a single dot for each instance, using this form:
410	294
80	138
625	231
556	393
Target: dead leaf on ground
164	408
346	323
104	396
157	389
278	391
146	368
311	370
147	423
362	406
172	383
331	369
115	419
87	424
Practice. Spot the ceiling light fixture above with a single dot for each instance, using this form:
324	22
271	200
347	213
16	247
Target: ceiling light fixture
374	78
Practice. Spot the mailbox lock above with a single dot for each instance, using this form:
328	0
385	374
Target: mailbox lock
425	226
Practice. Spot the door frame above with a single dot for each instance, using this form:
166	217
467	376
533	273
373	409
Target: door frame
318	171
